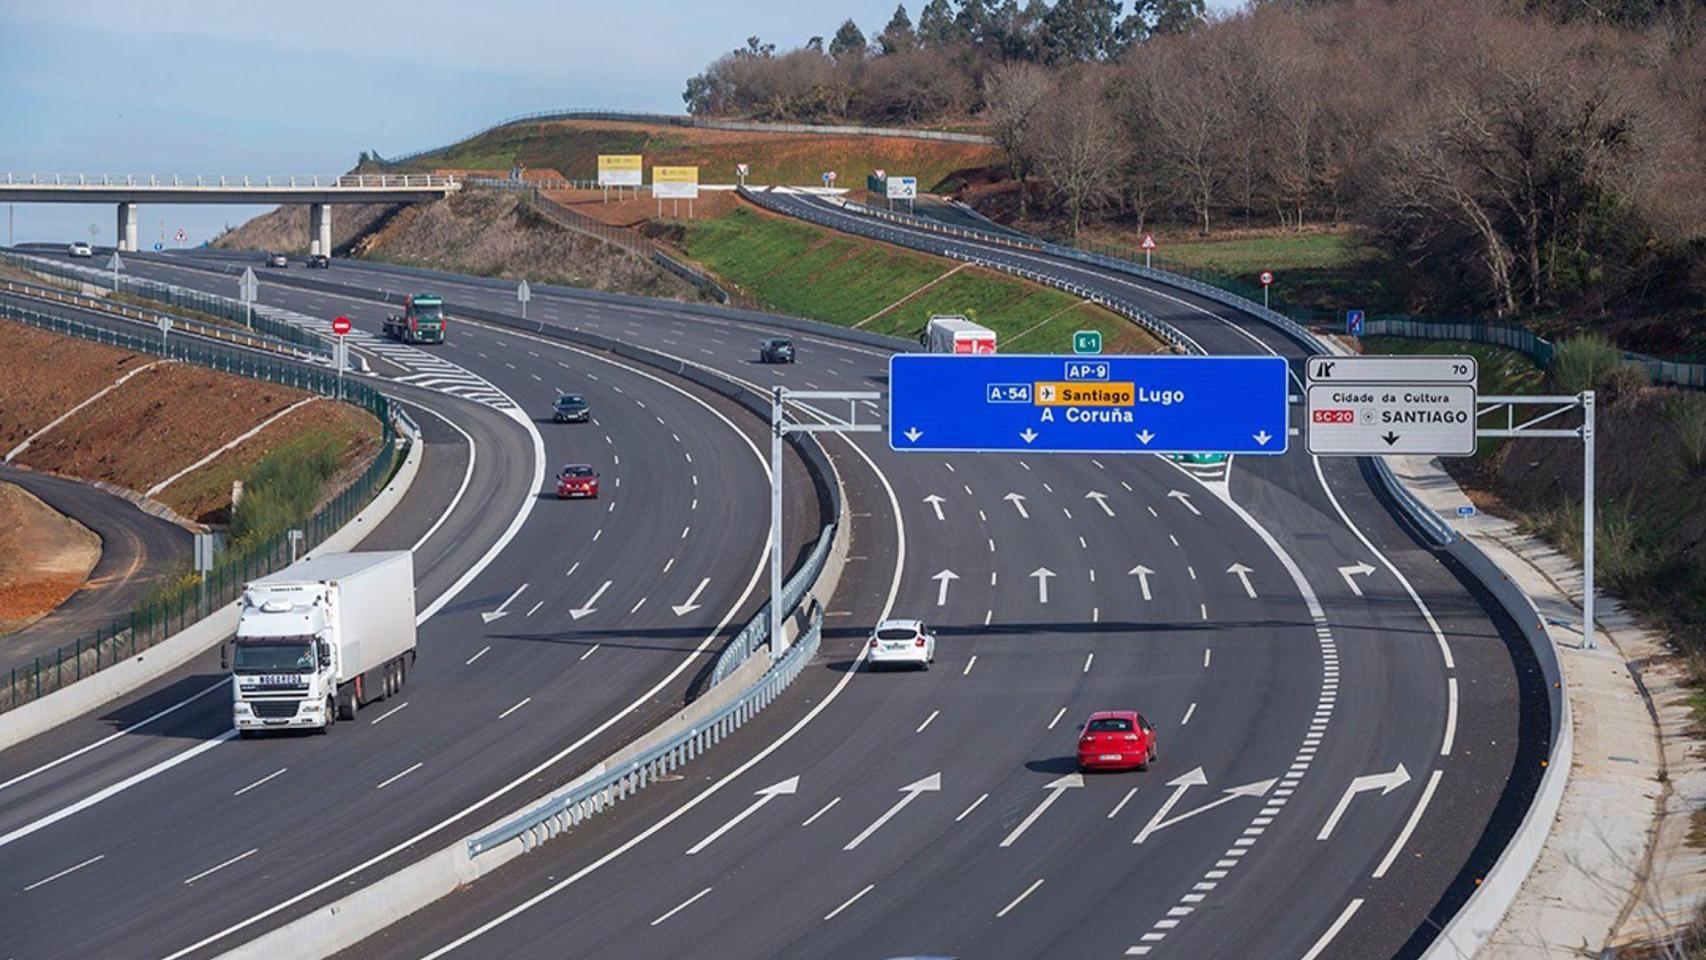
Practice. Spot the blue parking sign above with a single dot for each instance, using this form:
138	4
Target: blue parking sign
1354	320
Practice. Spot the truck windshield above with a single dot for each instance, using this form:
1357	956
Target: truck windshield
293	656
428	313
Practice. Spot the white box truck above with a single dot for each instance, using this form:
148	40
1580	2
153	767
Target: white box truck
321	638
955	334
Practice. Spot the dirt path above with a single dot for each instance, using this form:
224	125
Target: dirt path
45	557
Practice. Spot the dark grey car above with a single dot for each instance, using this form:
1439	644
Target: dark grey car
570	408
776	350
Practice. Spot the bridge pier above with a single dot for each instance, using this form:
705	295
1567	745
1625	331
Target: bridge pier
320	229
125	236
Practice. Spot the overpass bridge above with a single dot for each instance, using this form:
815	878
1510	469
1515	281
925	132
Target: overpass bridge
319	192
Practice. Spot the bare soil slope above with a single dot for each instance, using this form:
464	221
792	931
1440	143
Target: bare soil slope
285	228
44	558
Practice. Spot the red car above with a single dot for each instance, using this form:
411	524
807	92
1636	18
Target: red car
1116	740
577	480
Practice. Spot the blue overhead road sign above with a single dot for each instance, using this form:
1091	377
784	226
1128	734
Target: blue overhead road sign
1058	404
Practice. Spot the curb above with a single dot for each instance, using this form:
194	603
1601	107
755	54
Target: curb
67	703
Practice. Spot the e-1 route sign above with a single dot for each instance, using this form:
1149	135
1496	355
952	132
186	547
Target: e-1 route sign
1061	404
1371	405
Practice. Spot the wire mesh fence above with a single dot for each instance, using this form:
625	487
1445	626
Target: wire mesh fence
193	597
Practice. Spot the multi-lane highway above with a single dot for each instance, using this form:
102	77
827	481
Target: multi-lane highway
1294	645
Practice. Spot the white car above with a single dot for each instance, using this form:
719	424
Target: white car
79	249
902	643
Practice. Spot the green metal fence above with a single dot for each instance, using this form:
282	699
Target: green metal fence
187	601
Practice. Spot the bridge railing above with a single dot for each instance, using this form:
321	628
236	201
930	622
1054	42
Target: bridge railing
348	181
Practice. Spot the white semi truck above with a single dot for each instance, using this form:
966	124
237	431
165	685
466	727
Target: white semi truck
948	333
320	639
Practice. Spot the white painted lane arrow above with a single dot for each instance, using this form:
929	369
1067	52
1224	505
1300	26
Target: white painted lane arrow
590	606
1142	573
1384	782
1042	574
1262	438
1069	782
1101	501
1194	779
1185	499
1029	434
930	784
913	434
500	612
692	604
1144	436
783	789
1243	574
936	502
1018	502
942	580
1361	569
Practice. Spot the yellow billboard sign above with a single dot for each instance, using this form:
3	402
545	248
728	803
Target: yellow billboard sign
1078	394
619	169
677	183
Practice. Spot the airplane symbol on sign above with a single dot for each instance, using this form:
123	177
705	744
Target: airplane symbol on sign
1045	393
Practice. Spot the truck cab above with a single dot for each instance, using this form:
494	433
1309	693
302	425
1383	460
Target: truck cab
422	320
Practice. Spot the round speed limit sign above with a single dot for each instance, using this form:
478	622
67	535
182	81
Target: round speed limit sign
1267	277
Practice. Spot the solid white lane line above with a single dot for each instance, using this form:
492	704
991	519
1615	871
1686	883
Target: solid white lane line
974	805
120	786
1333	931
470	661
1089	659
260	781
1123	801
969	663
1057	717
683	906
821	811
524	702
850	901
389	712
216	869
390	780
927	720
1019	899
1189	711
1409	826
590	650
224	683
46	880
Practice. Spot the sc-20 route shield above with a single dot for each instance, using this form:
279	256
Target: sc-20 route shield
1062	404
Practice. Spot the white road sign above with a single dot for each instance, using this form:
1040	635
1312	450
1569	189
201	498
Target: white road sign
902	188
1364	406
523	292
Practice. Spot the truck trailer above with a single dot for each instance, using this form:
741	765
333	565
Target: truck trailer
948	333
322	638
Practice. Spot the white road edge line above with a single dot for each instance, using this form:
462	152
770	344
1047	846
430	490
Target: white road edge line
1333	931
1409	825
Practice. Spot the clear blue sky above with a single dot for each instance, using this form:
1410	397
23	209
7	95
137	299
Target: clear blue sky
185	87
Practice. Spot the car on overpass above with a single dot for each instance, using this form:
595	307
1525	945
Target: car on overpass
79	249
319	261
570	408
902	643
577	480
776	350
277	260
1116	740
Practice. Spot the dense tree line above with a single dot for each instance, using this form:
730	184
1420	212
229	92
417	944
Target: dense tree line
1516	154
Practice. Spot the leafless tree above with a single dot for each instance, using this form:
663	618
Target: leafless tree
1077	147
1013	95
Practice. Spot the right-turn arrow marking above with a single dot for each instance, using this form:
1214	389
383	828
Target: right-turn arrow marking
1384	782
1361	569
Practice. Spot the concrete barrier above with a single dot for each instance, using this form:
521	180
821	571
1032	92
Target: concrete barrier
94	691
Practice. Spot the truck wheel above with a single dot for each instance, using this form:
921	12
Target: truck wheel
402	673
347	705
331	714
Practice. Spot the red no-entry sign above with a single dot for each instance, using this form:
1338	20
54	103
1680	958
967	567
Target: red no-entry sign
1267	277
340	325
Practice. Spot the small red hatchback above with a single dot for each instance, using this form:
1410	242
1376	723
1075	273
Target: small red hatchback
1116	740
577	480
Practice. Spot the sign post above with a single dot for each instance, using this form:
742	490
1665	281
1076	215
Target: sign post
295	538
1148	246
115	265
182	236
1267	279
247	287
1074	404
741	171
901	188
523	293
618	170
676	183
1374	405
828	179
165	325
340	349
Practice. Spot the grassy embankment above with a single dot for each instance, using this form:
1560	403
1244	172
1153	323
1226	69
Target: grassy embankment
819	274
1650	518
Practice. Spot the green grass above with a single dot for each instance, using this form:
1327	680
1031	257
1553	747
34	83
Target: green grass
1501	371
1249	256
282	489
810	272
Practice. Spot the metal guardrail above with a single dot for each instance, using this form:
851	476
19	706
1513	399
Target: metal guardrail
350	181
1172	335
682	120
159	618
756	633
574	806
